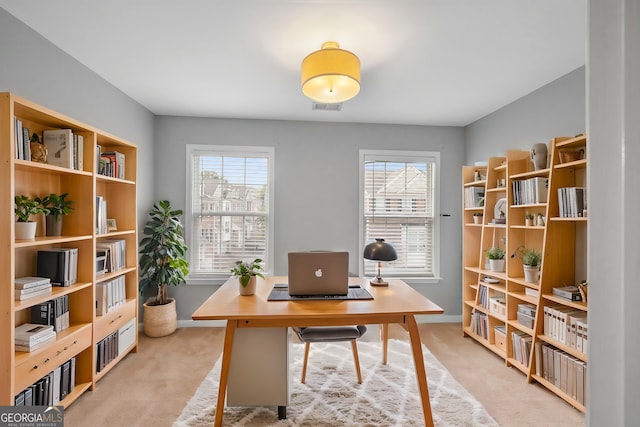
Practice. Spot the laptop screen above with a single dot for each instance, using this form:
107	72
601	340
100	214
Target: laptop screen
318	273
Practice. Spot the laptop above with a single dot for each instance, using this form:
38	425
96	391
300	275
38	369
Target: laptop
318	273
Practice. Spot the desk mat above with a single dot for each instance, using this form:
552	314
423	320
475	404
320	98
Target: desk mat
280	293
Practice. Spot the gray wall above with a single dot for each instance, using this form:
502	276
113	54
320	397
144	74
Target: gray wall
35	69
557	109
316	186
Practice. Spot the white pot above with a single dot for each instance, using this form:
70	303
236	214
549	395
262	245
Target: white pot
497	265
25	230
250	289
477	220
531	274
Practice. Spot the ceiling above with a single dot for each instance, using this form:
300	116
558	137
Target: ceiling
427	62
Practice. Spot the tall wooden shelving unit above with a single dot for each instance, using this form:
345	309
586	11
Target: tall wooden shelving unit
562	242
19	369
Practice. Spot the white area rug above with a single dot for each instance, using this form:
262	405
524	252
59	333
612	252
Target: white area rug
388	395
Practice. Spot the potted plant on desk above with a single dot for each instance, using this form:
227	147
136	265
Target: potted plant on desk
162	263
246	273
25	208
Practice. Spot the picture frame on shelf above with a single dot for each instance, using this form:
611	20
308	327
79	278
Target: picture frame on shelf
111	225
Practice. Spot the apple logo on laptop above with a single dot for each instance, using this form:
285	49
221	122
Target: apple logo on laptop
318	272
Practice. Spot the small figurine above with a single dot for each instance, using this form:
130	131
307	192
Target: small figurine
38	149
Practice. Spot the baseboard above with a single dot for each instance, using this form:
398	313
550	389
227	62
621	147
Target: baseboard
427	318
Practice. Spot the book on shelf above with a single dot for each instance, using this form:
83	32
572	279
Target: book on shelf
572	201
30	282
473	197
530	191
571	293
112	163
530	292
23	294
59	143
30	332
54	312
110	295
101	215
58	264
115	252
35	346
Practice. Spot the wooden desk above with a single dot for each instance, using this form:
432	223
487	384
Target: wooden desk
397	303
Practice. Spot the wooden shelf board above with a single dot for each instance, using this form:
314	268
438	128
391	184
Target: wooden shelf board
475	183
578	219
500	287
530	174
50	240
552	387
528	227
496	274
56	291
74	328
497	190
578	305
524	297
111	179
44	168
530	206
114	274
513	362
490	225
572	351
521	327
578	141
576	164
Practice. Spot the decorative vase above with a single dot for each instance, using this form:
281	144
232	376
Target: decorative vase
539	156
497	265
528	222
25	230
250	289
531	273
160	320
54	226
477	219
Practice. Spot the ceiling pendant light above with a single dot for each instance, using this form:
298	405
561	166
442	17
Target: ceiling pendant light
331	74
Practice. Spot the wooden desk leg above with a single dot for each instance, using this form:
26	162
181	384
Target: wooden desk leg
230	331
384	337
421	374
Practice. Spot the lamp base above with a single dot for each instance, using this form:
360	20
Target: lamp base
379	282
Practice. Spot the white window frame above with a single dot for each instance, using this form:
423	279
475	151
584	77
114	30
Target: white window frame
403	156
229	151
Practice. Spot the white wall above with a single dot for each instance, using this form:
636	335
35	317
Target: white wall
556	109
35	69
316	186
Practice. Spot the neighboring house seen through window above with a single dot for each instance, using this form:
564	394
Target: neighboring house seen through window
229	207
399	203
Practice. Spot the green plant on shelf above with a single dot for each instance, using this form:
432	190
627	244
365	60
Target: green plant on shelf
495	253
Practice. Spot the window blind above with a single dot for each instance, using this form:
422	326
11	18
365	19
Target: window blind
399	205
229	209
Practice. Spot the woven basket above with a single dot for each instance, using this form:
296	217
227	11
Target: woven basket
570	155
160	320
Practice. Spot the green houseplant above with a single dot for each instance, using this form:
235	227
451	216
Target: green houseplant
58	206
25	208
531	260
496	258
246	272
162	263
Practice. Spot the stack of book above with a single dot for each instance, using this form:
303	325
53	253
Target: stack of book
29	287
30	337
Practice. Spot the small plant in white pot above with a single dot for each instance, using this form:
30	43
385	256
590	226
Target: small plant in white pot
24	210
531	260
477	218
496	259
246	272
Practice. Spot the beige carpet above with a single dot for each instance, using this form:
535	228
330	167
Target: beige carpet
331	396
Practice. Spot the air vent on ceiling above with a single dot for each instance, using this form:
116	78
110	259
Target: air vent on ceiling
326	107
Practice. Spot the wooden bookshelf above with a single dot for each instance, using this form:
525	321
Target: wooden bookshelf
19	370
562	242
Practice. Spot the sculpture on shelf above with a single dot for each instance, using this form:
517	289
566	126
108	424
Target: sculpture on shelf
539	155
38	149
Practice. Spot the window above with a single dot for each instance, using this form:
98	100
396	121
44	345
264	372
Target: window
399	203
229	207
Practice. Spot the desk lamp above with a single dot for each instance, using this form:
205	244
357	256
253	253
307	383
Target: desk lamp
380	251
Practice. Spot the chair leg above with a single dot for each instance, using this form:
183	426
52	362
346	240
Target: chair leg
356	360
304	362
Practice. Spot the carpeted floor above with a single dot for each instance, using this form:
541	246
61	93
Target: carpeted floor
152	387
388	395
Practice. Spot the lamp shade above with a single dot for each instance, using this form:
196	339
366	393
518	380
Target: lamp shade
380	251
331	74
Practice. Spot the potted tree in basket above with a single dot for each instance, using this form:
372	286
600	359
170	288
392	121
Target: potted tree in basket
162	263
246	272
496	259
57	207
531	260
25	208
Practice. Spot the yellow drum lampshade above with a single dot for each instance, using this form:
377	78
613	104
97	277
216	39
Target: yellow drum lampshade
331	74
